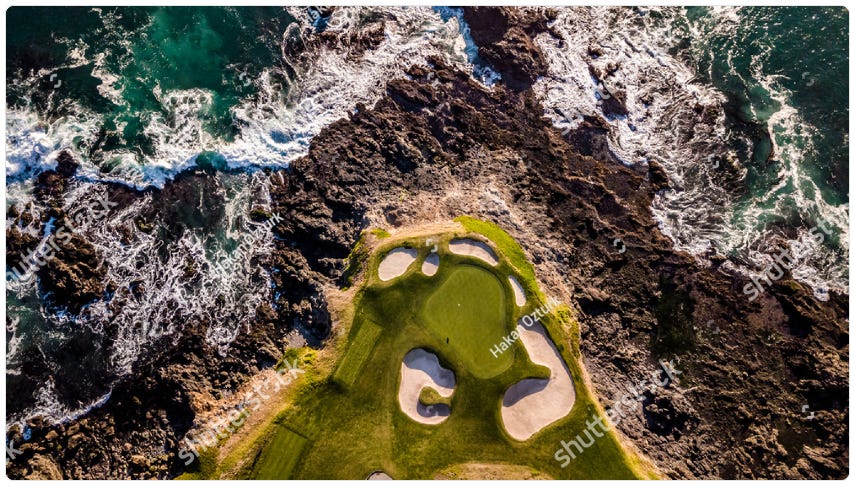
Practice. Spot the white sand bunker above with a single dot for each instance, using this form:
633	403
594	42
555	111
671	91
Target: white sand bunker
379	475
421	369
396	262
519	293
431	264
474	248
532	404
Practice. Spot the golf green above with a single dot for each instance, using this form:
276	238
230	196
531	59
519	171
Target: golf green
344	417
467	312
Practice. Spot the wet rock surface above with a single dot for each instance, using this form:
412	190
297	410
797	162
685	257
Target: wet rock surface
505	39
440	145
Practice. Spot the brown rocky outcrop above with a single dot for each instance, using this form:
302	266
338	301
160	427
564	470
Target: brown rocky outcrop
435	150
505	40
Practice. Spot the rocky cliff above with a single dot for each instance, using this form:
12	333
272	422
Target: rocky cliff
438	145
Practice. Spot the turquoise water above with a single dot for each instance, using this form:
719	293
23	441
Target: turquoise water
174	87
212	57
770	59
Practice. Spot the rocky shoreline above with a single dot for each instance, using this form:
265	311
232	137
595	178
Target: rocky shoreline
439	145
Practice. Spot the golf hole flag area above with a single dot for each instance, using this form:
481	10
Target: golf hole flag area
411	389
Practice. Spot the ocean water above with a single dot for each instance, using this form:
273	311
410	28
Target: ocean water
745	108
135	92
139	95
787	70
143	91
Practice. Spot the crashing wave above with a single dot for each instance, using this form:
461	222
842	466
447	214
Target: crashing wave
325	82
678	122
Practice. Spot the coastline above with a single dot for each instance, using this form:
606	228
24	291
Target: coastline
450	146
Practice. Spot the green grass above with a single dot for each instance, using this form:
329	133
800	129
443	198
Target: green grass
430	396
467	310
511	250
380	233
357	353
203	467
355	430
280	458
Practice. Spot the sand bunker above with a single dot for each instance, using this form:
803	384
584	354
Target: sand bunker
532	404
379	475
421	369
474	248
518	291
431	264
396	262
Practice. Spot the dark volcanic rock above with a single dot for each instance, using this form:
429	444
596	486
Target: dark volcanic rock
68	266
18	244
74	275
637	306
440	145
66	166
505	39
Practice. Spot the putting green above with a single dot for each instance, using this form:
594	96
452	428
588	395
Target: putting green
344	420
467	312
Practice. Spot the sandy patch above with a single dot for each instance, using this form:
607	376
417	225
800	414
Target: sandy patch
532	404
421	369
431	264
474	248
259	414
396	262
518	292
379	475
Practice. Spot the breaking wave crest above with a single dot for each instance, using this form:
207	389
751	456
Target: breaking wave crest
674	119
316	81
210	275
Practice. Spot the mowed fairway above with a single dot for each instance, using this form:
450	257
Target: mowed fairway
467	312
358	352
279	460
348	421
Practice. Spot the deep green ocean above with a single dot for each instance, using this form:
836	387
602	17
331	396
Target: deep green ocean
771	59
140	94
151	51
785	75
